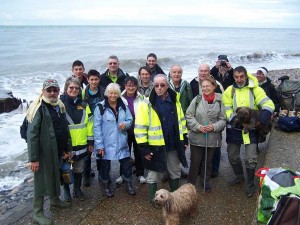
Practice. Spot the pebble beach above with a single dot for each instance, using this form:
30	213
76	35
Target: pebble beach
11	199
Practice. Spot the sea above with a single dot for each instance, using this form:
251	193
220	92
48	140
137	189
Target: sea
31	54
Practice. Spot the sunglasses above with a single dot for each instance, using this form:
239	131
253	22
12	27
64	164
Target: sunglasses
54	90
162	85
112	63
72	88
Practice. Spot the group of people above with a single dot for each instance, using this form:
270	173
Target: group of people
157	115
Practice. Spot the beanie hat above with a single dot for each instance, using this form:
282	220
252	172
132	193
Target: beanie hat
223	57
264	71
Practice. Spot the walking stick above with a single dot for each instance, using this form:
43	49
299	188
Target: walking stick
205	162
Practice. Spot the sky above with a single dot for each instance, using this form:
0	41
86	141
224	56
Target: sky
204	13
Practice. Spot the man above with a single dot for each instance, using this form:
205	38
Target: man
113	74
203	72
223	72
47	141
160	131
92	94
152	64
245	91
78	72
265	83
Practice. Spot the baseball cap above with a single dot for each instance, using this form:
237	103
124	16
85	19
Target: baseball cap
50	83
223	57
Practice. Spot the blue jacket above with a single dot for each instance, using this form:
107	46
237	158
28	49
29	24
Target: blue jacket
107	134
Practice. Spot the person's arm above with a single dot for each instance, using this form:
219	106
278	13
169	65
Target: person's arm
97	129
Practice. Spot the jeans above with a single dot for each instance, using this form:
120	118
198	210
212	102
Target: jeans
216	160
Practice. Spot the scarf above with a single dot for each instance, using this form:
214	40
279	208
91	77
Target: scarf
210	99
35	105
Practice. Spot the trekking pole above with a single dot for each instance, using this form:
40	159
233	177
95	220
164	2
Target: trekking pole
205	162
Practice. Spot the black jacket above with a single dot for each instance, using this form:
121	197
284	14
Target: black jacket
226	81
155	71
271	92
105	80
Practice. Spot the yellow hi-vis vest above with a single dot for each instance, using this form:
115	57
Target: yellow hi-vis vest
148	127
82	132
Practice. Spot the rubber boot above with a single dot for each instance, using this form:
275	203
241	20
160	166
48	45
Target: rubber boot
67	194
129	188
107	192
56	202
174	184
152	188
77	186
38	215
250	182
238	171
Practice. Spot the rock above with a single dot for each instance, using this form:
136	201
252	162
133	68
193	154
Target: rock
8	102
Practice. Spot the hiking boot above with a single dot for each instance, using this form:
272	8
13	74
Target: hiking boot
77	187
214	174
119	180
107	192
56	202
238	180
129	188
250	182
87	180
142	180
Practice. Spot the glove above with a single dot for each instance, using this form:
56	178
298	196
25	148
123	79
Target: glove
265	116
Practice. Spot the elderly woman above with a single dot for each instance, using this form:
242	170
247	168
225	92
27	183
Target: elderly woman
206	119
81	132
181	86
133	98
145	84
112	119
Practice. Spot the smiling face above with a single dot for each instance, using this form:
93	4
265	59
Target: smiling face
151	61
78	71
73	90
260	76
130	88
207	88
113	65
145	76
94	81
176	74
51	93
112	96
203	72
240	78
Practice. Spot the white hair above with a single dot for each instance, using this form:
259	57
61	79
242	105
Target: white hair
112	87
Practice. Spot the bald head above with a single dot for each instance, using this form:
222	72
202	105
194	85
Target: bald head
203	71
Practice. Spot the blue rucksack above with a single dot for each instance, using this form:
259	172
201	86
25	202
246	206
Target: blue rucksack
289	124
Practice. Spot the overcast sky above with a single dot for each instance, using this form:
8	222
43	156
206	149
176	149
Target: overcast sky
208	13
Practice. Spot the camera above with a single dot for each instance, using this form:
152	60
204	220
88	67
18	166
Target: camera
223	63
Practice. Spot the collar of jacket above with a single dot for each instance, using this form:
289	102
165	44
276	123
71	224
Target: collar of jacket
120	103
120	73
172	93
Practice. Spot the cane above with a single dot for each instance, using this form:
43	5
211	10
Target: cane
205	162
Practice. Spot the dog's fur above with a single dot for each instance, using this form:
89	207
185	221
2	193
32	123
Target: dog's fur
176	204
249	119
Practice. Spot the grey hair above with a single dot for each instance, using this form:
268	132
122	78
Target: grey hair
113	57
204	64
161	75
71	80
178	66
112	87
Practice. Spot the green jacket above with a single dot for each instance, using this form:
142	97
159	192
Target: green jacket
42	147
186	94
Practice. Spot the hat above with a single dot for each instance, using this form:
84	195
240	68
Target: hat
50	83
223	57
264	71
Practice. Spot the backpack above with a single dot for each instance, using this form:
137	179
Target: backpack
289	94
23	129
287	212
101	109
288	124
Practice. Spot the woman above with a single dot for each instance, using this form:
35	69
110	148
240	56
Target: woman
145	85
133	98
180	86
80	126
206	119
112	119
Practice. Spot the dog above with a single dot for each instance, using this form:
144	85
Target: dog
176	204
249	119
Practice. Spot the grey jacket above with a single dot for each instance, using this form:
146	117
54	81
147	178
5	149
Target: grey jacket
205	114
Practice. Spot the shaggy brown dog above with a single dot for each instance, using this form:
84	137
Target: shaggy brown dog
249	119
179	203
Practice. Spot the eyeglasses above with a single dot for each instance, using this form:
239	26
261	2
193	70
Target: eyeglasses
54	90
72	88
162	85
112	63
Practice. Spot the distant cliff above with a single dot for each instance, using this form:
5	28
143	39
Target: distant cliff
8	102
